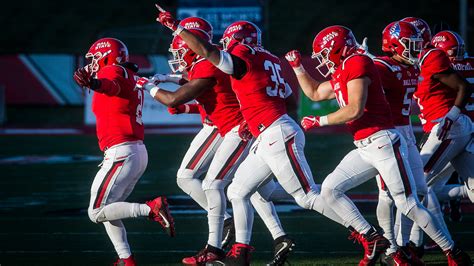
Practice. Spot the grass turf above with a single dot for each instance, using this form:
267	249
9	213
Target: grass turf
44	218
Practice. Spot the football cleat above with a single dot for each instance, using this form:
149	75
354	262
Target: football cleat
238	255
397	258
130	261
374	245
207	254
283	245
417	251
228	233
414	254
160	213
457	257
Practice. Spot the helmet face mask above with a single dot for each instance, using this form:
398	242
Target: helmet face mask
413	47
178	63
325	66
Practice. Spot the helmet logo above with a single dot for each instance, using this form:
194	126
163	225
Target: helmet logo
102	45
329	37
439	38
234	28
192	25
395	30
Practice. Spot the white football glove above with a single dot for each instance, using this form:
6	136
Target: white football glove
173	78
146	84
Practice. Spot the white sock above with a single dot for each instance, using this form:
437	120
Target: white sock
118	235
404	230
385	218
323	208
122	210
435	209
430	226
215	216
243	219
193	187
266	211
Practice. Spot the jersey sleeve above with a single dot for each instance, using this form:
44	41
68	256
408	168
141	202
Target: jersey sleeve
385	74
436	61
204	69
112	80
245	53
356	67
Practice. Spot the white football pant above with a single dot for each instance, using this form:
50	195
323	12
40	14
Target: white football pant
457	149
122	167
384	153
278	150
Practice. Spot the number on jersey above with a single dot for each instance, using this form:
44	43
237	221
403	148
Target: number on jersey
407	99
278	90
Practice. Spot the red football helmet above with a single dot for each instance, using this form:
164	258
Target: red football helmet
404	39
422	26
106	51
451	43
331	46
197	23
183	57
241	32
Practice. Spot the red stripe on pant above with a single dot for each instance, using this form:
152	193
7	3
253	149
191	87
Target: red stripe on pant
106	182
231	160
402	169
296	166
436	155
202	150
383	186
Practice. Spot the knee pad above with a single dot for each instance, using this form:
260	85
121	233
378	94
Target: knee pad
305	200
183	183
96	215
216	184
329	194
235	191
406	203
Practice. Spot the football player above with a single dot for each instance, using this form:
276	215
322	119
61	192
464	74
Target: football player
212	89
257	82
402	43
117	106
453	45
356	86
443	97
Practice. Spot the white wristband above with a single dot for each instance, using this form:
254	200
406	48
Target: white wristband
323	120
186	108
178	30
153	91
299	70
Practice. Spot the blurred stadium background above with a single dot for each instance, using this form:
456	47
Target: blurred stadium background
49	152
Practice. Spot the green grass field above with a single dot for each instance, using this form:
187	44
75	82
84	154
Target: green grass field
44	220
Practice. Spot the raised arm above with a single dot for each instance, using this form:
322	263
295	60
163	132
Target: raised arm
313	89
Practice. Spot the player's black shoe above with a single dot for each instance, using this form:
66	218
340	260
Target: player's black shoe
283	245
228	233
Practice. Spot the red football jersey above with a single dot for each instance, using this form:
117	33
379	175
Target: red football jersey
220	102
262	90
377	114
118	110
434	98
465	67
399	82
